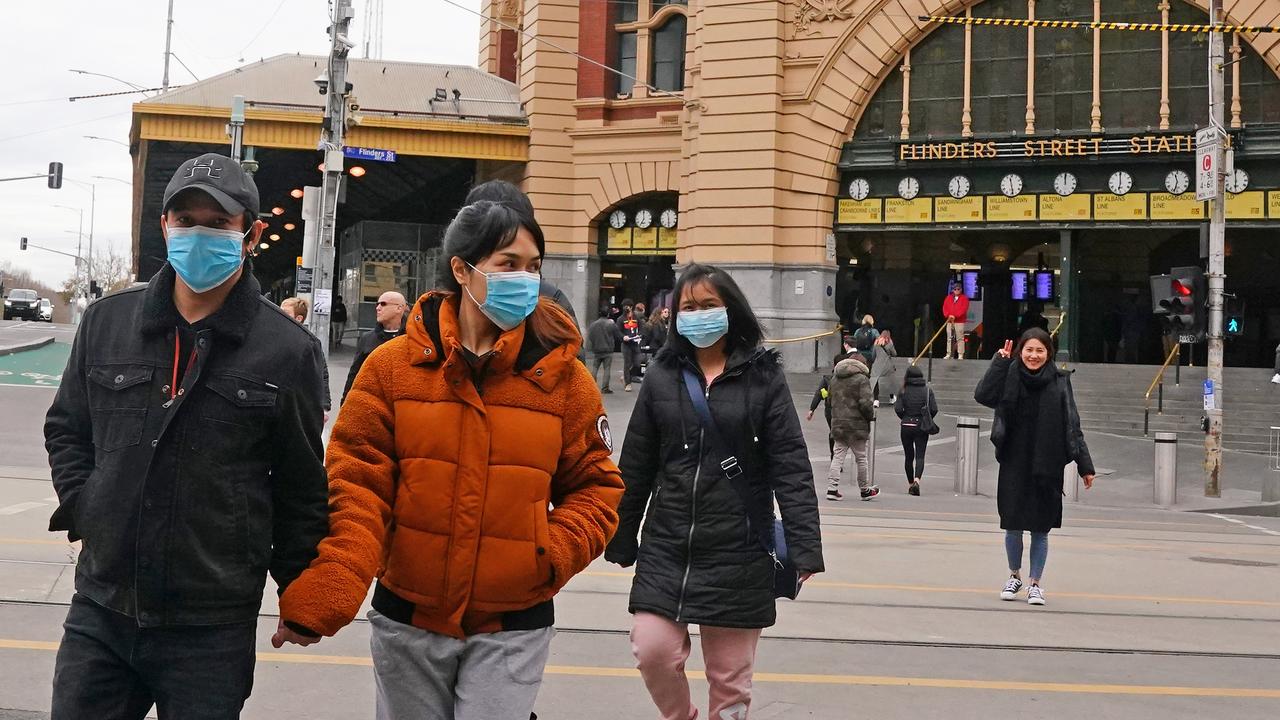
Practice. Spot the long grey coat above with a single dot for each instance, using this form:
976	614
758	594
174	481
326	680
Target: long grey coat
884	371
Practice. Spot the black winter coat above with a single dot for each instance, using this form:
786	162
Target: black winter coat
1027	501
697	561
365	346
184	503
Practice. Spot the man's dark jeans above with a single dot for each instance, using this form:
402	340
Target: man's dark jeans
110	669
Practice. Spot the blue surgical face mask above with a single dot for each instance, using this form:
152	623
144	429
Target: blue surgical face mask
510	297
204	257
703	327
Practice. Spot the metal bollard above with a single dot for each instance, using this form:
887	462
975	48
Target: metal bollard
1071	483
871	452
1166	469
966	482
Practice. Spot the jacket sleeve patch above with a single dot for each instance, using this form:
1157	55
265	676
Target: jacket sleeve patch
606	436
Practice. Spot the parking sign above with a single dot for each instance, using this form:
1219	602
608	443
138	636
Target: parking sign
1207	143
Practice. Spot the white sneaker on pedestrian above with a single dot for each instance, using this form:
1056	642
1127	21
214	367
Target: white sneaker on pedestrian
1276	378
1011	588
875	403
1035	596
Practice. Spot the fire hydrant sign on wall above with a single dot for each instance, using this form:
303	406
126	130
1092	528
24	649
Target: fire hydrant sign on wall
1207	142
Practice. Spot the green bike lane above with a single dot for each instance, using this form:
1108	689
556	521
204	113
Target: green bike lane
41	367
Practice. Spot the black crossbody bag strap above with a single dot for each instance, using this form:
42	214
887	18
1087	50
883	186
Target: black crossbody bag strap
759	517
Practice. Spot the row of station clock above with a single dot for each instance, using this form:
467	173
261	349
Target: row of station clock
1176	182
644	219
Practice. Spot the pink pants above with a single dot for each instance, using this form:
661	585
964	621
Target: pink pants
661	648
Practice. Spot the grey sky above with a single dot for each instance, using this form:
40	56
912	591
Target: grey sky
126	39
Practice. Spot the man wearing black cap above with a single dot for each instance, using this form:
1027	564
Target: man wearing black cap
186	454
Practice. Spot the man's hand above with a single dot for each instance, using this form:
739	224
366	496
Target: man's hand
1088	481
804	577
951	318
285	635
809	416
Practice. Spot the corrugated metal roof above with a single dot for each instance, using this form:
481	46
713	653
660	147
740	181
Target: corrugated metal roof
380	87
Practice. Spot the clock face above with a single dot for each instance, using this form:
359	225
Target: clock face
908	188
958	187
1065	184
644	219
668	218
1177	182
1237	182
1120	183
1011	185
859	188
618	219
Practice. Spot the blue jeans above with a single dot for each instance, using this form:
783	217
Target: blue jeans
110	669
1039	551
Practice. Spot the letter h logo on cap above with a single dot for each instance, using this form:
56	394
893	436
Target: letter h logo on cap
210	170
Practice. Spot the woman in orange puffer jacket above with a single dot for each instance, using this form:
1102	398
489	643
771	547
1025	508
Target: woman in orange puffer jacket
453	443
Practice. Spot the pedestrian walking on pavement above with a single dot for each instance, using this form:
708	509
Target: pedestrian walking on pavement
864	339
337	320
657	329
822	396
184	445
602	337
884	373
389	314
852	412
297	309
916	408
454	442
699	560
1036	433
955	310
632	338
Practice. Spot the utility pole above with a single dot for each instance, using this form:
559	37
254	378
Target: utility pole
235	128
331	143
168	40
1217	267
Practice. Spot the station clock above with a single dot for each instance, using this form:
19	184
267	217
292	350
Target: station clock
1011	185
1065	183
908	188
668	218
618	219
644	219
959	187
1237	182
859	188
1120	183
1177	182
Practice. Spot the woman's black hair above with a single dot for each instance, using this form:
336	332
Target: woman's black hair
503	193
744	328
1034	333
914	371
479	230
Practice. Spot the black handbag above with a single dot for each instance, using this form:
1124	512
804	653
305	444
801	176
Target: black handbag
768	530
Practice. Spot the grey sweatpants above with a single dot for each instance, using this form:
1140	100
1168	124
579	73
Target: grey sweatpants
841	451
421	675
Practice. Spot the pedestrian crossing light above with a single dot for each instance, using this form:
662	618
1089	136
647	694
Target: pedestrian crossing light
55	175
1235	325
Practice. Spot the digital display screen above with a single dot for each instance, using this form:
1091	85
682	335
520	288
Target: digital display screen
969	282
1044	285
1019	287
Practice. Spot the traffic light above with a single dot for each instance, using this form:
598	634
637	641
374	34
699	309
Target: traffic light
1233	318
22	244
55	175
1179	301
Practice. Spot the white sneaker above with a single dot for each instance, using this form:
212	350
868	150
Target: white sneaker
1011	588
1035	596
1276	378
875	403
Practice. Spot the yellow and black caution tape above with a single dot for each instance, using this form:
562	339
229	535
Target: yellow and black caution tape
1098	25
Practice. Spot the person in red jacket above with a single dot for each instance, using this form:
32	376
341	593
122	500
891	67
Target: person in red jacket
956	310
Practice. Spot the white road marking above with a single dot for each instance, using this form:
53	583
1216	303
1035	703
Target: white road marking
20	507
1241	522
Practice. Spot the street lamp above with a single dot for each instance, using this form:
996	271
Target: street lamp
135	86
110	140
79	238
115	179
93	205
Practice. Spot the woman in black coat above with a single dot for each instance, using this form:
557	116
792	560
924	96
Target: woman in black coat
698	561
916	408
1036	433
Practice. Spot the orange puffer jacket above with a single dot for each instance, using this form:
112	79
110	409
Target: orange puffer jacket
441	490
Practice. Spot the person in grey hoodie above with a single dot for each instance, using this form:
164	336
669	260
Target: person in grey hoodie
851	414
602	337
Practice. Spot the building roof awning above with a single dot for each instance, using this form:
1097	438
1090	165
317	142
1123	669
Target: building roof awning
399	109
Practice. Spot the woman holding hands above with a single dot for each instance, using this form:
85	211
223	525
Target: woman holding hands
1036	433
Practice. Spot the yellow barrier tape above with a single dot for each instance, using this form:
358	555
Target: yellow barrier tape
816	336
1098	25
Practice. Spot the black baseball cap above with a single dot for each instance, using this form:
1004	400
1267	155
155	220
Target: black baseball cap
218	176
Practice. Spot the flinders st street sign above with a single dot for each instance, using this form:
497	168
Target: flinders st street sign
1048	148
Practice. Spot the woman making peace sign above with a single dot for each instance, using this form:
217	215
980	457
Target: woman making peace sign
1036	433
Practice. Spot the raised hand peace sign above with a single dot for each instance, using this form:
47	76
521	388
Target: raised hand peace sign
1007	350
